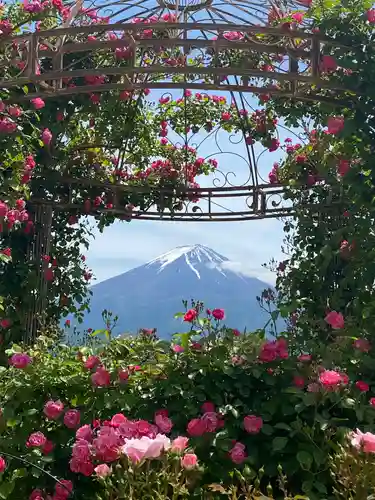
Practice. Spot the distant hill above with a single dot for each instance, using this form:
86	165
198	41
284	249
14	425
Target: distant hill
149	296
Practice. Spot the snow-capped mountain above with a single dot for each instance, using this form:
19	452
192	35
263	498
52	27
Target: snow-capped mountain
149	296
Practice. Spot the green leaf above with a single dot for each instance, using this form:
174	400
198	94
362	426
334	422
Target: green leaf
267	430
98	332
6	489
305	459
12	422
19	473
283	426
179	315
279	443
275	315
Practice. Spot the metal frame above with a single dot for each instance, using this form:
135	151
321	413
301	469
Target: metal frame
50	84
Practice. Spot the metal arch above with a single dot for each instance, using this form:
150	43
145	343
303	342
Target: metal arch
297	83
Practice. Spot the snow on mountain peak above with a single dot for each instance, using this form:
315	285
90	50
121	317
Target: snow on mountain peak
193	255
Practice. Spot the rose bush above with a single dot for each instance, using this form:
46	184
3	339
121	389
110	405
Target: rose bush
242	402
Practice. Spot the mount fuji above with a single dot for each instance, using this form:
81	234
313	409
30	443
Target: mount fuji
148	296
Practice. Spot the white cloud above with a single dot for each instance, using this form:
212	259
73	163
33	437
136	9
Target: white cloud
253	272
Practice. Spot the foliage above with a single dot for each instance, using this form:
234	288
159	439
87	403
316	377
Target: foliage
329	264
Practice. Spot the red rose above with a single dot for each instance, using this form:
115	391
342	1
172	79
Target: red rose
362	386
190	315
218	314
208	407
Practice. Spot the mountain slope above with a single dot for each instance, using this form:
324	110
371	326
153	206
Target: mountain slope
149	296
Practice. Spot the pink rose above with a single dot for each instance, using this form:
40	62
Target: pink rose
3	465
101	378
135	449
335	124
179	444
144	428
36	439
211	421
91	362
15	111
370	14
38	103
218	314
237	453
189	461
335	320
63	489
362	386
118	419
46	137
81	451
372	401
72	419
103	470
20	360
196	427
362	345
145	447
253	424
157	445
363	441
330	378
53	409
85	433
164	423
178	348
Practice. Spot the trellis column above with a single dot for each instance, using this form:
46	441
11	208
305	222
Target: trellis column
39	246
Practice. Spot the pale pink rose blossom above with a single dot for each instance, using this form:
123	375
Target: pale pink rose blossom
363	441
179	444
103	470
145	447
189	461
